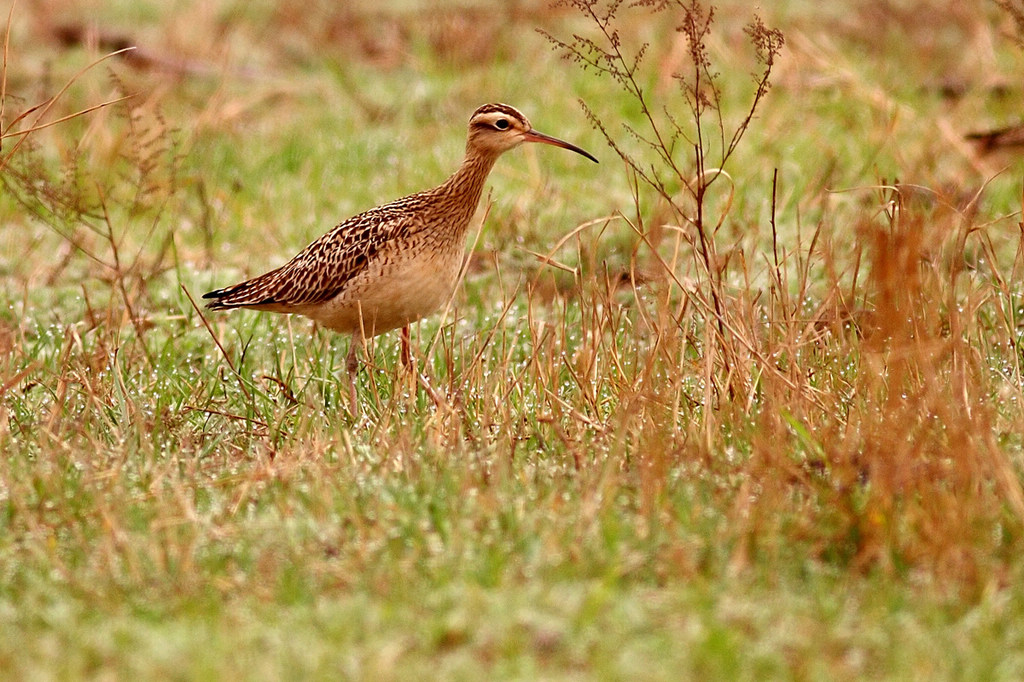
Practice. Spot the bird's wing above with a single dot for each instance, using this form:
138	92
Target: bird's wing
321	270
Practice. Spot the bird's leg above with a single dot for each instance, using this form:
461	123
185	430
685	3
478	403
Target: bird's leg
352	365
407	363
406	354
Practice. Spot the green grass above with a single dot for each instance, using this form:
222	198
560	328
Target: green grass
608	489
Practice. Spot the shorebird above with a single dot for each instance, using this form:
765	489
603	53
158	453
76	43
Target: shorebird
394	264
999	138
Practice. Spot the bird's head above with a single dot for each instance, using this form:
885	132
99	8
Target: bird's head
496	128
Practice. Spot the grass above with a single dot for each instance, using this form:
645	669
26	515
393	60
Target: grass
798	459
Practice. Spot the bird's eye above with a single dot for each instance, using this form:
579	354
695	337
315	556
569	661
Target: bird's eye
501	124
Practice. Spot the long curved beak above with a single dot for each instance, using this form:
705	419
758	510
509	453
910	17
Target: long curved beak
534	136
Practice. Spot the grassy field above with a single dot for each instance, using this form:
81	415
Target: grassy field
765	423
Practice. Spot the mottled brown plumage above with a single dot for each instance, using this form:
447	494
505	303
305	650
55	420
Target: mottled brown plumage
394	264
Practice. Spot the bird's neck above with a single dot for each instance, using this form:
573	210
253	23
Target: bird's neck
463	189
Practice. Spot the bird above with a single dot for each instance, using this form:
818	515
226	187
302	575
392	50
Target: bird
998	138
395	264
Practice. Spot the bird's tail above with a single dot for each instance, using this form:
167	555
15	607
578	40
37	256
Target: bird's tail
248	294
